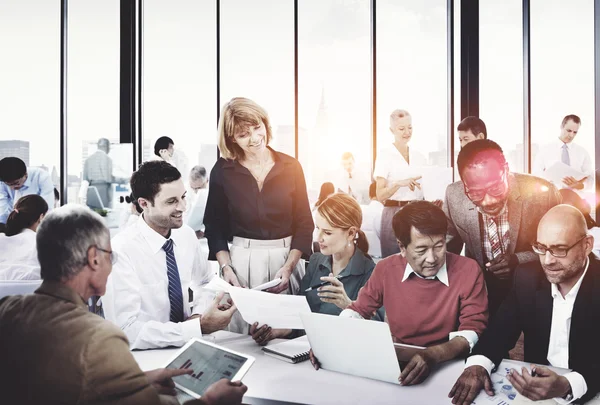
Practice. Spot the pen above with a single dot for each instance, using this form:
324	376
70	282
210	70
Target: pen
321	284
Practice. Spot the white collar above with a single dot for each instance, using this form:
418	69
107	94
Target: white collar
154	239
573	293
441	275
560	143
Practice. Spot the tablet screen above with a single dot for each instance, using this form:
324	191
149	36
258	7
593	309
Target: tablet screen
209	365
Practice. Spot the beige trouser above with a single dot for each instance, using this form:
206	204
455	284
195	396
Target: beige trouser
256	262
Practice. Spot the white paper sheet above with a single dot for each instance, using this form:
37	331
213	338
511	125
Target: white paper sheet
217	284
276	310
558	171
434	182
268	284
506	394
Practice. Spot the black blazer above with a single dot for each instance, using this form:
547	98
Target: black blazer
528	309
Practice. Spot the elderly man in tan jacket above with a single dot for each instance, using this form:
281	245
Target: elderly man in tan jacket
54	351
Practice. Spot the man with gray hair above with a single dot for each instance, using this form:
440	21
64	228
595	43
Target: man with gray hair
194	217
98	172
54	350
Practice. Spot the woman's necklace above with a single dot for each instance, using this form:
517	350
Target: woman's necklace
258	170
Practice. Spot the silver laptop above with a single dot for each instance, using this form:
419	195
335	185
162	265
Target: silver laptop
353	346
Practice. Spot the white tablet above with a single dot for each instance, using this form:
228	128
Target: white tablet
209	363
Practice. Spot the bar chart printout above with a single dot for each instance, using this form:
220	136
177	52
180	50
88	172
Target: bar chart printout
209	365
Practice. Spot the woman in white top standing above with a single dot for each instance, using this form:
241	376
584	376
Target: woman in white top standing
18	250
397	174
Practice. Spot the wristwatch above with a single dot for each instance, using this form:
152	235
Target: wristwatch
568	396
227	265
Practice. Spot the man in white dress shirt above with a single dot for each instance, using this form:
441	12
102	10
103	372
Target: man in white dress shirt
17	180
554	303
564	150
371	223
159	260
194	216
352	181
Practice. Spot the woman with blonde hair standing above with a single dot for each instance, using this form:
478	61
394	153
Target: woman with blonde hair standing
258	201
343	262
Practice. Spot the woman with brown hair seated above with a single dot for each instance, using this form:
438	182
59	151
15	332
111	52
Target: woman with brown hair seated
343	261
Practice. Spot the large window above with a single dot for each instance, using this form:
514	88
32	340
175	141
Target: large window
93	93
501	76
179	80
30	83
457	86
257	61
562	73
412	73
334	90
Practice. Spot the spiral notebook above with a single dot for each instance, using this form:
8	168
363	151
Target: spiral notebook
292	351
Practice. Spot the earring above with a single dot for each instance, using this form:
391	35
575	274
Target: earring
349	243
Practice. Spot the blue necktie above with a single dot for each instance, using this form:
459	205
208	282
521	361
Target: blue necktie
565	155
175	294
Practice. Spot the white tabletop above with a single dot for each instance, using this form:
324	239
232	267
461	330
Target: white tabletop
277	380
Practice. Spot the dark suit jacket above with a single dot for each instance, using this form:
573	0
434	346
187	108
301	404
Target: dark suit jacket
529	199
528	309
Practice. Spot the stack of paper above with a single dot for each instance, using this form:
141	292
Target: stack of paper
558	171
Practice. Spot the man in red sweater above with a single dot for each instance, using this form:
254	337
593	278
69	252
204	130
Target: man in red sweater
432	298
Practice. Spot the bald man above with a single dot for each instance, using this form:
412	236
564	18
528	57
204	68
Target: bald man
555	303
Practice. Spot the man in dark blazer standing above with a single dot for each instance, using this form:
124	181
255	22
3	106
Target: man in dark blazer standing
495	213
556	304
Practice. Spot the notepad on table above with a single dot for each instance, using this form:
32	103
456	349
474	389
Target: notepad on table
292	351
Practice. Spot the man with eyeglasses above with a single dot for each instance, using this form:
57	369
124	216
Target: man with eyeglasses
554	302
495	213
16	181
54	351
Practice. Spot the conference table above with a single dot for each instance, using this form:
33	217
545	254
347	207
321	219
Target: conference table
273	381
276	382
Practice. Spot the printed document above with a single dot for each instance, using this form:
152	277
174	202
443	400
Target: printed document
276	310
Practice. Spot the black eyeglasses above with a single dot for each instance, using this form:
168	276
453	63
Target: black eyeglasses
113	255
556	252
496	190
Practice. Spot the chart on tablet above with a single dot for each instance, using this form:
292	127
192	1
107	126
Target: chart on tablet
208	366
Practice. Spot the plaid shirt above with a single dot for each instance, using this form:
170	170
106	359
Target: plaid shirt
503	231
98	168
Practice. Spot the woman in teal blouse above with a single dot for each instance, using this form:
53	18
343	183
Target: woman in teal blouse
343	255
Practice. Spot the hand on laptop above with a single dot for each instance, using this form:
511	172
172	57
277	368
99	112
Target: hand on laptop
313	360
161	379
223	392
417	369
